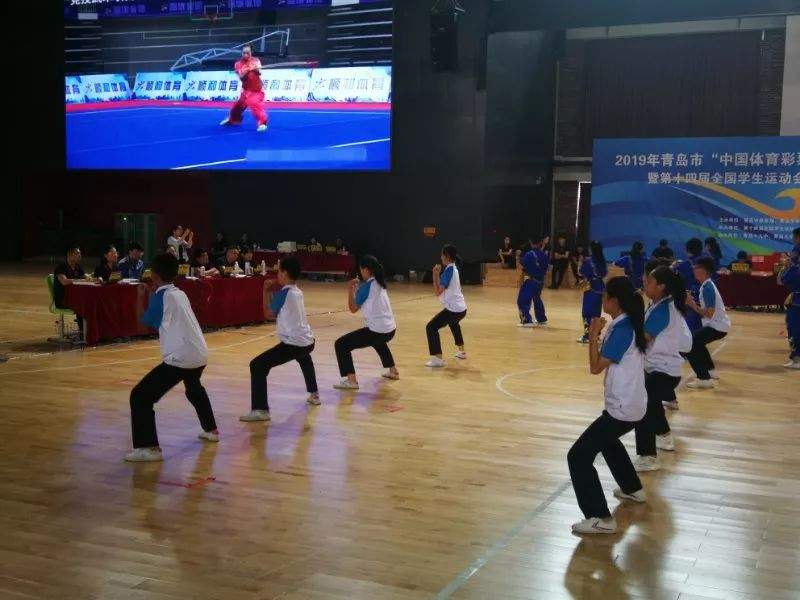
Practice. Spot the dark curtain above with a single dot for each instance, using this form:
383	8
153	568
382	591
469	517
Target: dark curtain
672	86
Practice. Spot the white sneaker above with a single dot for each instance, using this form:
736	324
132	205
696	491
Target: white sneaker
713	374
527	325
345	384
435	362
637	496
461	354
700	384
209	436
583	340
255	415
665	442
595	525
145	455
261	128
646	463
225	121
670	404
387	374
313	400
793	363
542	323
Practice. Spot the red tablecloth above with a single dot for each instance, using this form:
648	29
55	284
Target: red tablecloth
751	290
312	262
224	301
110	311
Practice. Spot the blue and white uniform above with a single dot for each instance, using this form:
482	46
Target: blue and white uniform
625	396
670	336
634	269
711	298
452	298
179	334
790	277
455	309
685	268
375	307
593	273
293	327
534	267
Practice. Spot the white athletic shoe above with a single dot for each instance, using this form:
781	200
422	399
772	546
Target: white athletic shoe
313	400
701	384
793	363
345	384
637	496
713	374
387	374
583	340
646	463
461	354
670	404
145	455
527	325
595	525
225	121
435	362
665	442
255	415
261	128
542	323
209	436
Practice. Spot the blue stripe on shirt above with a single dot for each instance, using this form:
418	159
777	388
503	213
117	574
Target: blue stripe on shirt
617	341
363	293
154	314
278	300
657	319
446	276
709	294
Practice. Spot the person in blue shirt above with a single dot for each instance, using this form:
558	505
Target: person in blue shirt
534	264
634	265
132	265
621	357
790	277
593	270
685	268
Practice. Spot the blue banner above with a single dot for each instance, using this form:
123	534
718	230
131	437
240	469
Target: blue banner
744	191
104	88
159	86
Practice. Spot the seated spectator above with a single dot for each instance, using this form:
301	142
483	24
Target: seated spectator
230	259
201	259
508	257
663	251
246	260
181	240
132	265
218	247
108	264
741	259
65	274
340	247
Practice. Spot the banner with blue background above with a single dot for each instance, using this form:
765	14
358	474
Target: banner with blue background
745	191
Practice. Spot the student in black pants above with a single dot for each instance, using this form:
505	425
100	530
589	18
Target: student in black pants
371	299
447	287
560	262
622	356
296	342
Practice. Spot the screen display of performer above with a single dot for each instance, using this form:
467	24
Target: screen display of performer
208	85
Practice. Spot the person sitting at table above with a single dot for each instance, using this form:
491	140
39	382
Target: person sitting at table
218	247
340	247
201	260
132	265
663	250
230	259
741	259
65	274
108	264
181	240
244	241
246	260
507	255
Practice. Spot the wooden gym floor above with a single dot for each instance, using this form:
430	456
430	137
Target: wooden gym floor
450	483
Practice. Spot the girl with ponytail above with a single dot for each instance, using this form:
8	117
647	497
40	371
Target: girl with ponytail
593	270
621	356
667	336
371	299
447	286
634	265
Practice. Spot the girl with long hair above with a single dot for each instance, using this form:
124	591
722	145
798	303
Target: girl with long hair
593	270
621	357
370	297
634	264
447	286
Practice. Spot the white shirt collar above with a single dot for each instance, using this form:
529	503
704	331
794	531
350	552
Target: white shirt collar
166	286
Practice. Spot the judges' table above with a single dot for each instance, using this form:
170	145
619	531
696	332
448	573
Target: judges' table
110	311
312	262
751	290
227	301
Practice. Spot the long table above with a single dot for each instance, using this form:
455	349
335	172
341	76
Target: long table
751	290
115	310
312	262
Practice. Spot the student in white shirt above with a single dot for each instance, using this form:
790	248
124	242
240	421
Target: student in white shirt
621	356
185	355
371	299
715	321
667	336
296	342
447	286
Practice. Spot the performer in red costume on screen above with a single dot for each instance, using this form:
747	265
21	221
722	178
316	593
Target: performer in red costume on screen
249	71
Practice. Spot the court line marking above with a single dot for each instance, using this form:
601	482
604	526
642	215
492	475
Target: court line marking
222	108
361	143
476	565
210	164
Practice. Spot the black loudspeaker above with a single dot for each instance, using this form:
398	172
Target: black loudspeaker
471	273
444	35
